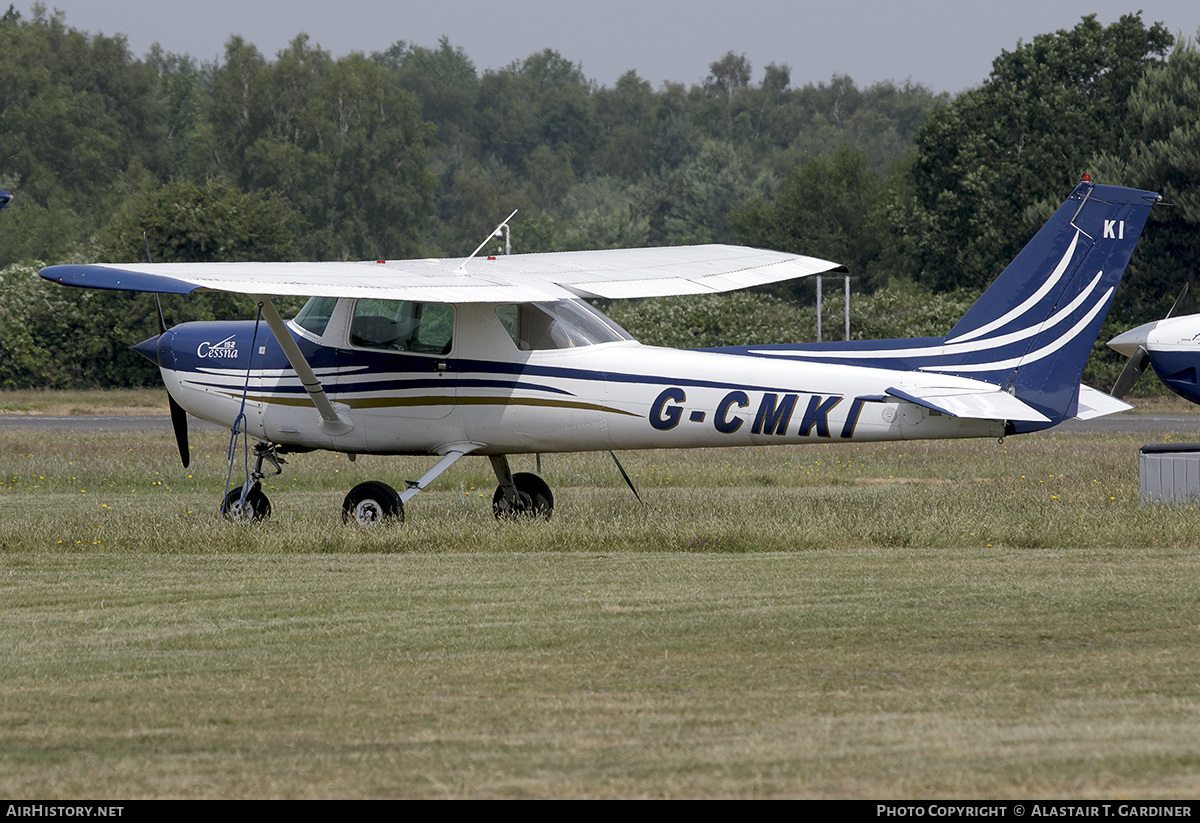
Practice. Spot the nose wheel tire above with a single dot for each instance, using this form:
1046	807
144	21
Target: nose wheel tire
372	504
534	499
254	509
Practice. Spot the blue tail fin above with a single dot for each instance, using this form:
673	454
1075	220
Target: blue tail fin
1031	332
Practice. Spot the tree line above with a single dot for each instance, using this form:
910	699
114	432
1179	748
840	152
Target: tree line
413	152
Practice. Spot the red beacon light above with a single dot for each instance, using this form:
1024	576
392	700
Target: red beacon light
1087	178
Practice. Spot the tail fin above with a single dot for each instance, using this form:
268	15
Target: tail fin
1031	332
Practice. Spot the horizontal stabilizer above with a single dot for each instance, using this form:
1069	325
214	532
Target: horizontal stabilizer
988	404
1095	403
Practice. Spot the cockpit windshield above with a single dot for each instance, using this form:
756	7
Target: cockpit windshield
314	317
559	324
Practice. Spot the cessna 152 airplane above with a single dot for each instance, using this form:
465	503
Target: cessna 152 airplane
502	356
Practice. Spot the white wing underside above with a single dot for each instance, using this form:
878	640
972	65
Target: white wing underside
614	273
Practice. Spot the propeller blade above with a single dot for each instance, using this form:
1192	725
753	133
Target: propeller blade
1130	374
179	424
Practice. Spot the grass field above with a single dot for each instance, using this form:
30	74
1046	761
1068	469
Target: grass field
971	619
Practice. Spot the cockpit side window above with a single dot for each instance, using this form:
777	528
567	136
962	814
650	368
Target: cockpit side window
560	324
399	325
314	317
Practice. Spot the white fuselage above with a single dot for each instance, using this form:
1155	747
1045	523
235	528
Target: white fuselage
488	393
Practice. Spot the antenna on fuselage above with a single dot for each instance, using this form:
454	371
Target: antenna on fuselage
500	230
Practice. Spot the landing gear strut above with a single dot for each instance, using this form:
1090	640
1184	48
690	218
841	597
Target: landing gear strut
519	495
373	504
244	506
255	508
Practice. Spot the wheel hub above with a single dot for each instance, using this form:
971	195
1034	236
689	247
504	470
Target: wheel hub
368	513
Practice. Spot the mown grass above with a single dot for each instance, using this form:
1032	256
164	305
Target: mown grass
969	619
124	493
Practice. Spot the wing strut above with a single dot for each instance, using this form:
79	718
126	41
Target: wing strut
331	422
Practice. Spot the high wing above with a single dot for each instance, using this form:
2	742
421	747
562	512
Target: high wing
611	273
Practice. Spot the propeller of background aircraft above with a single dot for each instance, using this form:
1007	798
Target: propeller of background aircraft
1136	344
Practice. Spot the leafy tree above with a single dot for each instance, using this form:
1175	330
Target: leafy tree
675	140
626	117
481	196
732	319
69	338
602	214
181	94
550	175
899	309
825	209
701	196
991	164
338	139
235	110
1161	152
544	99
75	111
444	81
727	76
186	222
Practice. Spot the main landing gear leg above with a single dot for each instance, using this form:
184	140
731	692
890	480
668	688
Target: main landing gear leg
373	503
248	504
519	495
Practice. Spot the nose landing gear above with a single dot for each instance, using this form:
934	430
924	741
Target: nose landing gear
249	505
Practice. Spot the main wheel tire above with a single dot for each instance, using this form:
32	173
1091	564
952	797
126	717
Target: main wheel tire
255	509
372	504
533	499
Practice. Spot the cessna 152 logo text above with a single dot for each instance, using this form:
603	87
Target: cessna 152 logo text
226	349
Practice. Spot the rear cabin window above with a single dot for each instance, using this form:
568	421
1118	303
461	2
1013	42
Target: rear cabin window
398	325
